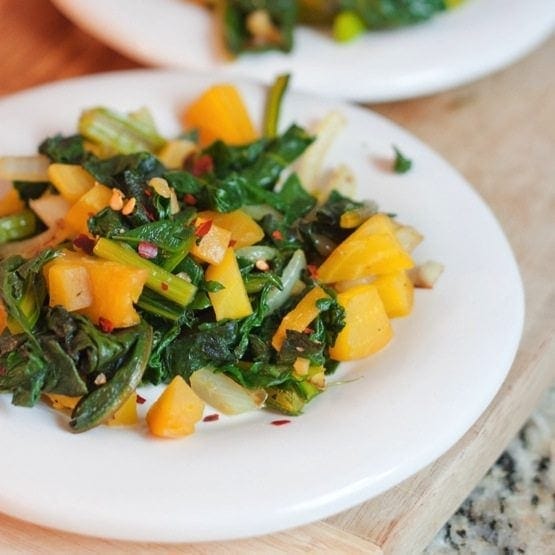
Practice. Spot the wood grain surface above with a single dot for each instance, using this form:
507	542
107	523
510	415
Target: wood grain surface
499	133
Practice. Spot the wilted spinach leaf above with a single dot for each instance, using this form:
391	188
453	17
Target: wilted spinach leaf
212	345
130	173
64	150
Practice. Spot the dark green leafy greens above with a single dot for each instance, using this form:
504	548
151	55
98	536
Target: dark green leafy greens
259	25
248	175
49	350
23	289
65	150
65	354
130	173
238	34
384	14
100	403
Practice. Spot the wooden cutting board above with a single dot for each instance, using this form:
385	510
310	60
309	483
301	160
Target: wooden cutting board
500	133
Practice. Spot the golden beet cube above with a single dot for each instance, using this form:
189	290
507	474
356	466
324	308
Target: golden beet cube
232	301
176	411
396	292
62	402
244	230
89	204
69	285
358	257
115	289
378	223
71	180
220	113
126	415
10	202
372	249
300	317
212	245
367	326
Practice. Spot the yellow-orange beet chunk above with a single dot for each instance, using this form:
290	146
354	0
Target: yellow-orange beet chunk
212	245
71	180
232	301
358	257
176	411
372	249
220	113
10	202
300	317
88	205
378	223
69	285
244	230
367	327
396	292
62	402
115	288
111	287
126	415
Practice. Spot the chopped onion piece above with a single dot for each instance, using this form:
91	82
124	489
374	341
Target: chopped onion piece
409	237
425	275
340	179
311	162
50	208
224	394
24	168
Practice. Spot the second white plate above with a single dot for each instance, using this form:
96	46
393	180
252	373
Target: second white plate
464	44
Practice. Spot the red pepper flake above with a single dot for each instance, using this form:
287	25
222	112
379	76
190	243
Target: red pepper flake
147	192
308	331
189	199
3	371
277	235
202	164
105	325
147	250
84	243
211	417
232	242
164	286
202	229
140	400
150	215
312	270
280	422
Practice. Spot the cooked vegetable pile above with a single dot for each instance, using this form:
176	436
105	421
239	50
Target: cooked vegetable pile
201	262
257	25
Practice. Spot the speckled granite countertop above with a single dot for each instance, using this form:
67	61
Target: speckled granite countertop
512	510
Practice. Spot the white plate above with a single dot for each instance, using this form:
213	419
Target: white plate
241	476
456	47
